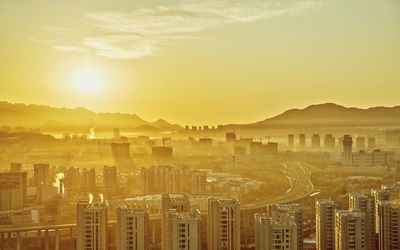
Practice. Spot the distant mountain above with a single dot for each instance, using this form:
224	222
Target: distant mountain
328	115
77	119
162	124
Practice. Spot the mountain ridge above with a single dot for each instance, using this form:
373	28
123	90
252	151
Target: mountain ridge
81	119
329	114
54	118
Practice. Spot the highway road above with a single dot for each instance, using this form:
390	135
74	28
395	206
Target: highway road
300	185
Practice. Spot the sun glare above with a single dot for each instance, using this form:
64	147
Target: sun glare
87	81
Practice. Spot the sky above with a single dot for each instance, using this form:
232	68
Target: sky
200	62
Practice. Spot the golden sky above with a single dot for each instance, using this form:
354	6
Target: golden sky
200	62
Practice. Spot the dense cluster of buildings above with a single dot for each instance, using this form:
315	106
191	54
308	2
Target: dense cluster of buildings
168	179
372	221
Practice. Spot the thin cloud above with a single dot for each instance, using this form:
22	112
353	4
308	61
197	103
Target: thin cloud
144	32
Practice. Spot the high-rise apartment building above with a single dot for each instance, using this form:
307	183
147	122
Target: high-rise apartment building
184	230
180	203
109	177
325	223
132	228
199	182
223	224
13	190
71	180
41	174
91	227
280	212
350	230
88	179
379	195
278	233
365	203
389	225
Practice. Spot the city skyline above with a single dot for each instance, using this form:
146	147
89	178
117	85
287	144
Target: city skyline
180	60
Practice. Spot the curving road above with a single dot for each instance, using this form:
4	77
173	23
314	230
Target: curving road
300	186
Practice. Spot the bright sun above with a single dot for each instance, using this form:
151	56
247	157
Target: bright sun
87	80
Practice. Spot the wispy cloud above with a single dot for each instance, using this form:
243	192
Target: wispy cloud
144	32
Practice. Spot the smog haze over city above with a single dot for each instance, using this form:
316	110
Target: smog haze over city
199	124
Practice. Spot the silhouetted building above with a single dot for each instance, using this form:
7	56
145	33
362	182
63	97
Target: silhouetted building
205	142
315	141
393	137
347	150
360	143
329	142
72	180
116	133
199	182
302	140
291	141
162	152
230	136
372	159
239	150
88	179
120	151
371	143
15	167
41	175
13	190
110	177
257	148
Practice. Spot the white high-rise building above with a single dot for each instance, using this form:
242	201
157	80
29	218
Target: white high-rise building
184	230
325	223
365	203
350	230
223	224
178	202
132	228
91	227
278	233
280	212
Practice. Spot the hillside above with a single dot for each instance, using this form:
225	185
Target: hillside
330	114
64	119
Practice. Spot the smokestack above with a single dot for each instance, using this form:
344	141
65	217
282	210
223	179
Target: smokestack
101	198
61	187
90	198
